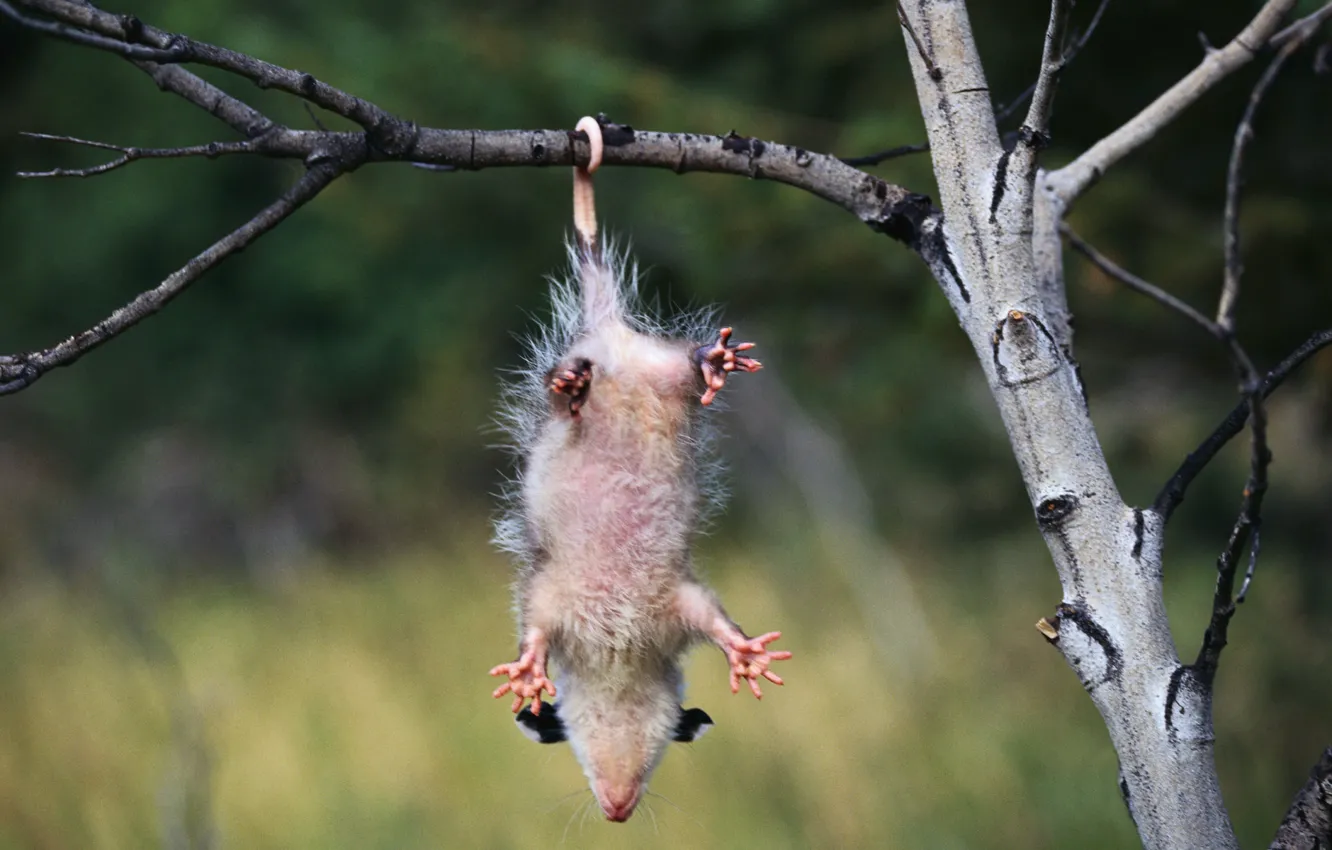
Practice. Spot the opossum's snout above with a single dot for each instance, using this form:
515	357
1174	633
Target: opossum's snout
618	800
618	795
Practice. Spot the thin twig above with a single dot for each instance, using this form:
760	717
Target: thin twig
1037	123
1073	179
131	154
1249	521
1001	113
1172	494
390	132
19	371
1005	111
889	209
1225	311
1306	24
237	114
1137	284
931	68
89	39
1254	548
882	156
1246	525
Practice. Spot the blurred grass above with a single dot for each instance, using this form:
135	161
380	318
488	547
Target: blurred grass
349	708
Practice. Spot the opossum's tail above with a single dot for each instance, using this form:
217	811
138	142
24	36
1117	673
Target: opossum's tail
597	279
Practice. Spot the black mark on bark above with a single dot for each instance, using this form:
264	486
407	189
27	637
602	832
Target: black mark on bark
1052	512
1137	534
1080	616
1172	695
1000	178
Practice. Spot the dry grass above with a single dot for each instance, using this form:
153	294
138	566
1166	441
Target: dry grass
352	710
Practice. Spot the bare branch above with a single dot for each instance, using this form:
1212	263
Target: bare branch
390	132
211	150
886	208
1172	494
1137	284
1003	112
1069	53
1225	311
1249	521
1224	601
19	371
88	39
883	156
1037	124
933	70
237	114
1308	823
1073	179
1304	25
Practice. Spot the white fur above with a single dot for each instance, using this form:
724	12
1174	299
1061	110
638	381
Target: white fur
603	509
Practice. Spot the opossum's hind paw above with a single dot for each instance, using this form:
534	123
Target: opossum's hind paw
527	680
574	380
718	360
750	660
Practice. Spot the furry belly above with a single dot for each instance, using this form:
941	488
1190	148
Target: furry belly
621	517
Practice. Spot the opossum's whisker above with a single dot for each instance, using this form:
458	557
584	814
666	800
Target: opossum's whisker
647	807
675	806
566	798
587	812
580	809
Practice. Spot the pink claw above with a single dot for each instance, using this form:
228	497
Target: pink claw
574	383
750	659
527	680
720	358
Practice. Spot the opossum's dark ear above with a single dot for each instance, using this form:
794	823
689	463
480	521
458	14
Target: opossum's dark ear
544	728
693	723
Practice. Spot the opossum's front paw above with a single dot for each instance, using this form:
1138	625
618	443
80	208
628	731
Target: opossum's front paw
527	679
572	380
721	358
750	659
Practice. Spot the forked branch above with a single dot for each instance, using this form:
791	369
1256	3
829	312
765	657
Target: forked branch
884	207
19	371
1069	182
1172	494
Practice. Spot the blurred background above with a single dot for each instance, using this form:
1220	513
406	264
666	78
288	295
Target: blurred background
246	593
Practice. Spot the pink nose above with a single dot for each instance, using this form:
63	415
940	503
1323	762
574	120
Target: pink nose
618	803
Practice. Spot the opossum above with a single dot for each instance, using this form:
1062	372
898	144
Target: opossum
613	474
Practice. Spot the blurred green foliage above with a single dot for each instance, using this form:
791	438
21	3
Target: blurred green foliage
278	487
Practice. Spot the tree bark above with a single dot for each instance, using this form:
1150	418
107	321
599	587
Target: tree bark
1000	225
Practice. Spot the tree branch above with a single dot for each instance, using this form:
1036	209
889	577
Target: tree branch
232	111
1305	25
1037	123
212	150
1003	112
892	210
1069	182
883	156
88	39
1225	311
1172	494
1137	284
1249	522
19	371
1308	823
388	131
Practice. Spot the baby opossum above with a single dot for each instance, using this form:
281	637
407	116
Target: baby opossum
606	423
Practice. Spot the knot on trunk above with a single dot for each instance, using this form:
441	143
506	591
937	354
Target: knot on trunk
1024	349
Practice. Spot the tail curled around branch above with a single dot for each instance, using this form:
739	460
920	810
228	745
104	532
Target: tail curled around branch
600	289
